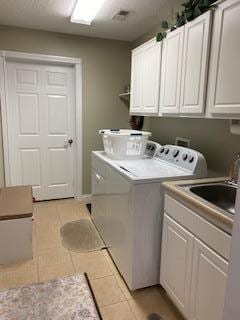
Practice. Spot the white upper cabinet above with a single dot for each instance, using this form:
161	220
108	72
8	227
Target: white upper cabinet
151	77
136	81
224	73
145	78
171	72
195	64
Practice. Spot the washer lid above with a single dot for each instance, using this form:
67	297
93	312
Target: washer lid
149	168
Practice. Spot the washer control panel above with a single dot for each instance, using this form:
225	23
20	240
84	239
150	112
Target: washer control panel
152	149
185	158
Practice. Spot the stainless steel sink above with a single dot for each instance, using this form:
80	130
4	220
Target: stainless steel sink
223	195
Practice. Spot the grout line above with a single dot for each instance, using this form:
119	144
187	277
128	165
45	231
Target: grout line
74	268
115	303
111	275
58	214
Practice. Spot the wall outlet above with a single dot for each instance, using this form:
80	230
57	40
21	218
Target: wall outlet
182	142
235	126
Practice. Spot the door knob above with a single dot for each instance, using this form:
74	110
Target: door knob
70	141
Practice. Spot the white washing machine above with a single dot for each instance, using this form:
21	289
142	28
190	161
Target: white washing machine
128	204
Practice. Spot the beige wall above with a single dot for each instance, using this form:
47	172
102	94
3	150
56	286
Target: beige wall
168	12
106	70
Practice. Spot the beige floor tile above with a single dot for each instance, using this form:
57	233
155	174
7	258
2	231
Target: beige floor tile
55	271
62	202
110	261
44	204
153	300
18	274
48	236
69	213
34	239
107	291
71	210
118	311
43	217
54	256
54	263
93	263
20	266
127	293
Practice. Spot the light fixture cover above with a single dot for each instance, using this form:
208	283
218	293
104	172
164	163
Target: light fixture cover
85	11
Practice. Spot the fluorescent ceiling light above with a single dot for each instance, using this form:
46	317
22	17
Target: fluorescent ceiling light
85	11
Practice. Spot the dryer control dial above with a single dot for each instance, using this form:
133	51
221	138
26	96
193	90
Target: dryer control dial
191	159
175	153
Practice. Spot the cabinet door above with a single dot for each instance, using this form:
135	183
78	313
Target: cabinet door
171	72
151	77
208	284
195	64
136	81
176	263
224	73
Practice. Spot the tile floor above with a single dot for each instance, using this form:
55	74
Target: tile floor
51	260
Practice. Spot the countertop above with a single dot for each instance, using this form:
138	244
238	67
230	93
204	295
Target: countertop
214	214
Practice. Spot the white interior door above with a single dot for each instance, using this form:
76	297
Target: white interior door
40	112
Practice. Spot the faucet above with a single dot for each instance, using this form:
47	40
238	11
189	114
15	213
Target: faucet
235	170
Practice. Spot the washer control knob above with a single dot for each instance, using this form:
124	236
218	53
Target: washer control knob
166	151
191	159
175	153
184	157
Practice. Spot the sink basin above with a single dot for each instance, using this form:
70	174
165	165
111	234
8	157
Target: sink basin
223	195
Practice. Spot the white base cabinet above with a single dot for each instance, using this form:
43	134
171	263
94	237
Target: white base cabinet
192	272
209	278
176	263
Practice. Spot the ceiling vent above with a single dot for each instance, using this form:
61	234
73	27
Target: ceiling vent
121	15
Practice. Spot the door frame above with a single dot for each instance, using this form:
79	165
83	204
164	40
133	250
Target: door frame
76	63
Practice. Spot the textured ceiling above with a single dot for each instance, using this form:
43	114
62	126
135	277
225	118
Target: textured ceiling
54	15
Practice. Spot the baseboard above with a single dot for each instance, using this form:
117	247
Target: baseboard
85	198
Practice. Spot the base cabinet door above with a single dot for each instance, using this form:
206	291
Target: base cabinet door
176	264
208	284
